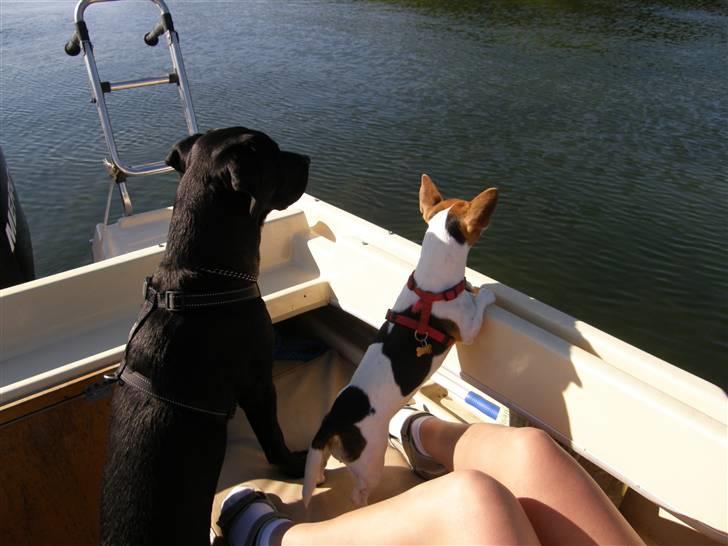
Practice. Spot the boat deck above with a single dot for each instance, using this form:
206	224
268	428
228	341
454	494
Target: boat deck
305	393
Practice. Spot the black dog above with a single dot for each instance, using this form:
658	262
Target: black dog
186	368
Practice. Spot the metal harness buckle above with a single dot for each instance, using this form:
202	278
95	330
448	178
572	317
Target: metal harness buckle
173	301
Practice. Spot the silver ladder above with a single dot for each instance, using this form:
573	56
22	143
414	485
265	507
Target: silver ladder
80	41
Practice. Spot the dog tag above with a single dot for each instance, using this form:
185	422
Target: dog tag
424	350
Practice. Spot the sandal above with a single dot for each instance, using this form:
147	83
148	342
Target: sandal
424	466
232	507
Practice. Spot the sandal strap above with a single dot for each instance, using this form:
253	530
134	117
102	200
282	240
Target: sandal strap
231	512
259	524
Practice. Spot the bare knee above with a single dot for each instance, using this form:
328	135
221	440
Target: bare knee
474	491
535	445
487	511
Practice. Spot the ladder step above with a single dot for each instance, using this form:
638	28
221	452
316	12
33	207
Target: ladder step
108	87
158	167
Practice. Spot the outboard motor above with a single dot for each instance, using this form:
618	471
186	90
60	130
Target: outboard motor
16	251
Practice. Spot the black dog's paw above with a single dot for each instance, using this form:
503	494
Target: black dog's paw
293	465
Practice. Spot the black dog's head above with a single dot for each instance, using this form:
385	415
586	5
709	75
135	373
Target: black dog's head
243	161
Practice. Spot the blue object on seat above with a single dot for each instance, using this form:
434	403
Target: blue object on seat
483	405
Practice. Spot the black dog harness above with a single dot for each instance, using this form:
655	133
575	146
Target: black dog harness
173	301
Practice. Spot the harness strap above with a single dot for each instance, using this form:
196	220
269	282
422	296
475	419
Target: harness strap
412	324
447	295
175	300
102	388
423	306
142	383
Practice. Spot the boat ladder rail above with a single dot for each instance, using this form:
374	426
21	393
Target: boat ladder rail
81	42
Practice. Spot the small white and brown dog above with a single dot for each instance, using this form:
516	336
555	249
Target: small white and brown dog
432	312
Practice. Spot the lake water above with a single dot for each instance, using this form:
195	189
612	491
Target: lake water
604	124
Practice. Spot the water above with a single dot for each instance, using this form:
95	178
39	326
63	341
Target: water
605	126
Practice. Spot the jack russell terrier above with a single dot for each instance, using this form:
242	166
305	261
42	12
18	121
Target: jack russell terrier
433	311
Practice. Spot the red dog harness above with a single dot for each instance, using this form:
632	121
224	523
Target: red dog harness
423	306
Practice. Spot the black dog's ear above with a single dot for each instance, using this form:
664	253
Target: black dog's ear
177	158
240	162
295	179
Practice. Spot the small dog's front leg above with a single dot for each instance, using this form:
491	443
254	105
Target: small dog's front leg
482	299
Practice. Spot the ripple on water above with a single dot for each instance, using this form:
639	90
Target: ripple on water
603	125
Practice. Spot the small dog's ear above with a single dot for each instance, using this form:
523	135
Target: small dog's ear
177	158
480	210
429	196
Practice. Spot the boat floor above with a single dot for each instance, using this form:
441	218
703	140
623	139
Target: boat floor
305	394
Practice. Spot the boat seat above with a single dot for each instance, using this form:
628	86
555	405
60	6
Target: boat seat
76	322
305	393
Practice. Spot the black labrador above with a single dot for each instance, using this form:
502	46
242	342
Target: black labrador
202	344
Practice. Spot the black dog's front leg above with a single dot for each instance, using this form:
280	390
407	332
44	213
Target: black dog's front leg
260	406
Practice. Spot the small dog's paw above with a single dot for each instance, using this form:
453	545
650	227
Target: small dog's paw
294	464
485	295
360	496
468	340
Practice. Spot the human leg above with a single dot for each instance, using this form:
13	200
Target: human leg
562	502
463	507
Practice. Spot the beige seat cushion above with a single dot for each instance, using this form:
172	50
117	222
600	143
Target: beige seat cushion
305	393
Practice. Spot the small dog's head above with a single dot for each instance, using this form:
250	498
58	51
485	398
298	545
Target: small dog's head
243	161
466	220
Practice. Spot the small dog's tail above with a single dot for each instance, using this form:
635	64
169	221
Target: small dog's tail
313	476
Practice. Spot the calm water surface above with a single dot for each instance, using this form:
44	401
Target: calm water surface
604	124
